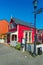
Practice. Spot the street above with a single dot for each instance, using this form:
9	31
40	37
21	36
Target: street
11	56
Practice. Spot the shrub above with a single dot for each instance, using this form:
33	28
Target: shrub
18	46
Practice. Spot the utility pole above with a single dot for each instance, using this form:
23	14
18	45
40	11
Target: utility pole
35	2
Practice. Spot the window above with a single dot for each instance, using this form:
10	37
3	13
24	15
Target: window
14	37
29	36
39	37
26	36
11	26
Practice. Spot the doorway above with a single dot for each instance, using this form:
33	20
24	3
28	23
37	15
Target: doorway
8	38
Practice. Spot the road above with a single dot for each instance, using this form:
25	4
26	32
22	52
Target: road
11	56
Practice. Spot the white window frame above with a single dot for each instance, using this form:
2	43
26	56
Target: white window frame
28	36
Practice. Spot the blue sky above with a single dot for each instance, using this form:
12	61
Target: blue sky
21	9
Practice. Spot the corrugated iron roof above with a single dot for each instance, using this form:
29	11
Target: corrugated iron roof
18	21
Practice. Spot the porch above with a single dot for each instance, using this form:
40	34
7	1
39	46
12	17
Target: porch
12	37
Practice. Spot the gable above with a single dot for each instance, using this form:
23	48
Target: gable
18	21
12	24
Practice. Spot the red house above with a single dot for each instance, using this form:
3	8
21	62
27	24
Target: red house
19	29
40	35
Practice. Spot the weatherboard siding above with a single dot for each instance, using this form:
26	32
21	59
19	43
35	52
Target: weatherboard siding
21	28
21	32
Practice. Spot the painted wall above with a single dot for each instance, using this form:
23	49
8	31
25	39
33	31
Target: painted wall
3	26
21	30
42	37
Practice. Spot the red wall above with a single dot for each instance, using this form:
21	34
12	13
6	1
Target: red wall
42	37
14	29
22	28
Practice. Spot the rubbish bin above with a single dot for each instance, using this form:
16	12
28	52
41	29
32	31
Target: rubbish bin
39	50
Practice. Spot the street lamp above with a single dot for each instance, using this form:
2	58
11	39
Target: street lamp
35	2
38	11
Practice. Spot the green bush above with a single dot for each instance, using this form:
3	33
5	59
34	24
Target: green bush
18	46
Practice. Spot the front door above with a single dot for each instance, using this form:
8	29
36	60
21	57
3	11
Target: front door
8	38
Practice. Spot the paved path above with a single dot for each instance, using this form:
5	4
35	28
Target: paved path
10	56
